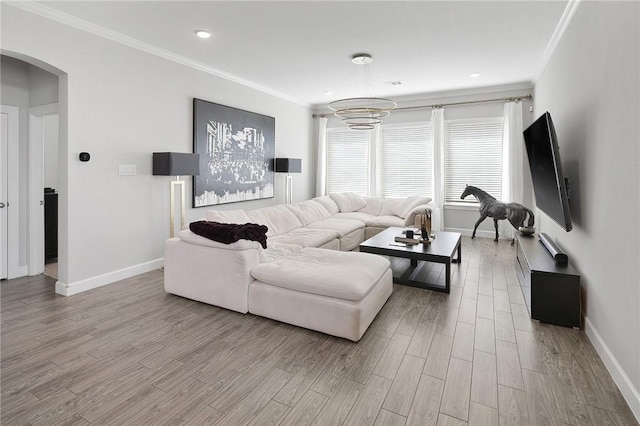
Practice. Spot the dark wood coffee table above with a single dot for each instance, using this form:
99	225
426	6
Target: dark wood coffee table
404	259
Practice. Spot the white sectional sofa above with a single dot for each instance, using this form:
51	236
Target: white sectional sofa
307	275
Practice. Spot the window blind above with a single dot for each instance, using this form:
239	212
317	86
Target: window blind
348	161
406	160
473	156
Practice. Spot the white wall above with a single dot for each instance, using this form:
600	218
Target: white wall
43	90
591	88
120	105
51	146
43	87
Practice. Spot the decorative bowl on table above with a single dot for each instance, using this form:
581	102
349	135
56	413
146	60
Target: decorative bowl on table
527	230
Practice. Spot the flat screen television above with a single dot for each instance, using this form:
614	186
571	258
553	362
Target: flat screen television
549	183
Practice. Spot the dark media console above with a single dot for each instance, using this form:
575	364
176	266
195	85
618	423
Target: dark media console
551	290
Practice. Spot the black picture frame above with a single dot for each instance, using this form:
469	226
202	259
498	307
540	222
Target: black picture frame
236	150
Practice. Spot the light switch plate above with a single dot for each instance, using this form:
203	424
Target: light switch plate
127	170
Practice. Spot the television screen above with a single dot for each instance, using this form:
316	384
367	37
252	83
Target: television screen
546	171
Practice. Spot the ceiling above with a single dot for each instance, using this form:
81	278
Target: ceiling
301	49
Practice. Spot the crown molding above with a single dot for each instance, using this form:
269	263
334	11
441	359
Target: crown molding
454	95
563	24
466	92
89	27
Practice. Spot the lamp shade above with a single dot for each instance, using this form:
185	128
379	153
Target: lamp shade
288	165
176	164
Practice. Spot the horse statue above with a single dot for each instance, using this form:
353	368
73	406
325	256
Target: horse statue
490	207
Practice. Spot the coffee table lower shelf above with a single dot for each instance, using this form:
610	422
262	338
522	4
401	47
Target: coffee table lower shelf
420	274
423	266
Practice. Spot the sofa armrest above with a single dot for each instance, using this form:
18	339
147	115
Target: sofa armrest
212	275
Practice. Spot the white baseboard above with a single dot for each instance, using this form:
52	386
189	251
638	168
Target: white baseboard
21	271
629	392
108	278
468	232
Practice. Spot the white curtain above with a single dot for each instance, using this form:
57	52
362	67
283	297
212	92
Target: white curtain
437	126
512	160
321	166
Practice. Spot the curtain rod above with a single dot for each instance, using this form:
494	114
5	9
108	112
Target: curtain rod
481	101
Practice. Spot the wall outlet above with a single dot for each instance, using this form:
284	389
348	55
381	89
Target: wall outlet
127	170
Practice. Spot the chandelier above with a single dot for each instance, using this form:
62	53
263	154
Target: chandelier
363	112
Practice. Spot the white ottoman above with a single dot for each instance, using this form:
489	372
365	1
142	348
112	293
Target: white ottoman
338	293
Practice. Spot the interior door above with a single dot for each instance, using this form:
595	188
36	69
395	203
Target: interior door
43	142
4	130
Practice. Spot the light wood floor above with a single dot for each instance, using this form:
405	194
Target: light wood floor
51	269
128	353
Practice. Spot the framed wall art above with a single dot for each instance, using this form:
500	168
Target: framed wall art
236	150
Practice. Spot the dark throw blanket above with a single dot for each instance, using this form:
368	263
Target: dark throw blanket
228	233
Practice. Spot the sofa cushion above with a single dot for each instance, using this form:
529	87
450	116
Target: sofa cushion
278	219
387	206
374	205
362	217
348	201
404	207
386	221
189	237
306	237
308	211
341	225
278	251
227	216
328	204
343	275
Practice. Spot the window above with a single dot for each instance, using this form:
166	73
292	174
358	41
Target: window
406	159
348	161
473	156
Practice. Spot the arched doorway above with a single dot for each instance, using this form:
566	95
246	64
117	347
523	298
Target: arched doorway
38	91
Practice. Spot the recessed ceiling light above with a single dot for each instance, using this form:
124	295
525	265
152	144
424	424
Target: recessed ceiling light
361	59
474	75
203	34
327	93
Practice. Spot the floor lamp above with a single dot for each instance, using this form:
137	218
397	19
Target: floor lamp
176	164
288	165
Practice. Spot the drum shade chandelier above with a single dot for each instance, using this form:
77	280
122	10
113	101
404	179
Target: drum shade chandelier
363	112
